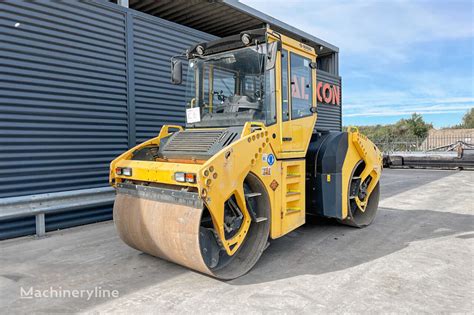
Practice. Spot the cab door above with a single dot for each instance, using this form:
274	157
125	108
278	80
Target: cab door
297	92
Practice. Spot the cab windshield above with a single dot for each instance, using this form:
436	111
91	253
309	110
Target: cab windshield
229	88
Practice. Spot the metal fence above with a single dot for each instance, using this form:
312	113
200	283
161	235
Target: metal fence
426	144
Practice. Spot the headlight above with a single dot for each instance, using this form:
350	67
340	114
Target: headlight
200	50
180	177
125	171
246	39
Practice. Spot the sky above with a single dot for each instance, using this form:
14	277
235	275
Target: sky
396	57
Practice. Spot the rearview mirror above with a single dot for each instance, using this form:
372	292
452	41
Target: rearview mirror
271	57
176	71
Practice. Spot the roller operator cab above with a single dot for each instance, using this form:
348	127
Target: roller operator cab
248	166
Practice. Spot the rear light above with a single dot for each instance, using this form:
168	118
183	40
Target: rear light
190	178
185	177
125	171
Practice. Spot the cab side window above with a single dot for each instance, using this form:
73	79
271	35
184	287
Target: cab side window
284	86
301	86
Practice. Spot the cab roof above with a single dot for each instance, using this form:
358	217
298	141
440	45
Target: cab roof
224	18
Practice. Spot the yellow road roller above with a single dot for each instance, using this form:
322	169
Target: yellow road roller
248	167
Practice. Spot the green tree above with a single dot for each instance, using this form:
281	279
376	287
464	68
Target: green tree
413	127
468	119
417	126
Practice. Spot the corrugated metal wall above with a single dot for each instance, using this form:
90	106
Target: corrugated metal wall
157	100
63	95
329	115
80	81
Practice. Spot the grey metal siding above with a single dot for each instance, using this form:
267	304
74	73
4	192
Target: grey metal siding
17	227
329	115
157	101
80	82
63	95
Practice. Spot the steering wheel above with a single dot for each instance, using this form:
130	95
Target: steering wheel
220	95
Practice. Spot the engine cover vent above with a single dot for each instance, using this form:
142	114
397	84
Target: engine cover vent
193	141
197	144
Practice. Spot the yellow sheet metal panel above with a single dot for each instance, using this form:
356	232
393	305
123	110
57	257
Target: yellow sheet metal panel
360	148
232	165
292	196
157	172
165	131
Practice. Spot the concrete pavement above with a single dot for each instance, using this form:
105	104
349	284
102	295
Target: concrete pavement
416	257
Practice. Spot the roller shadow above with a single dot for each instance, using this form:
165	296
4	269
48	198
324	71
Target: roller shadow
328	246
